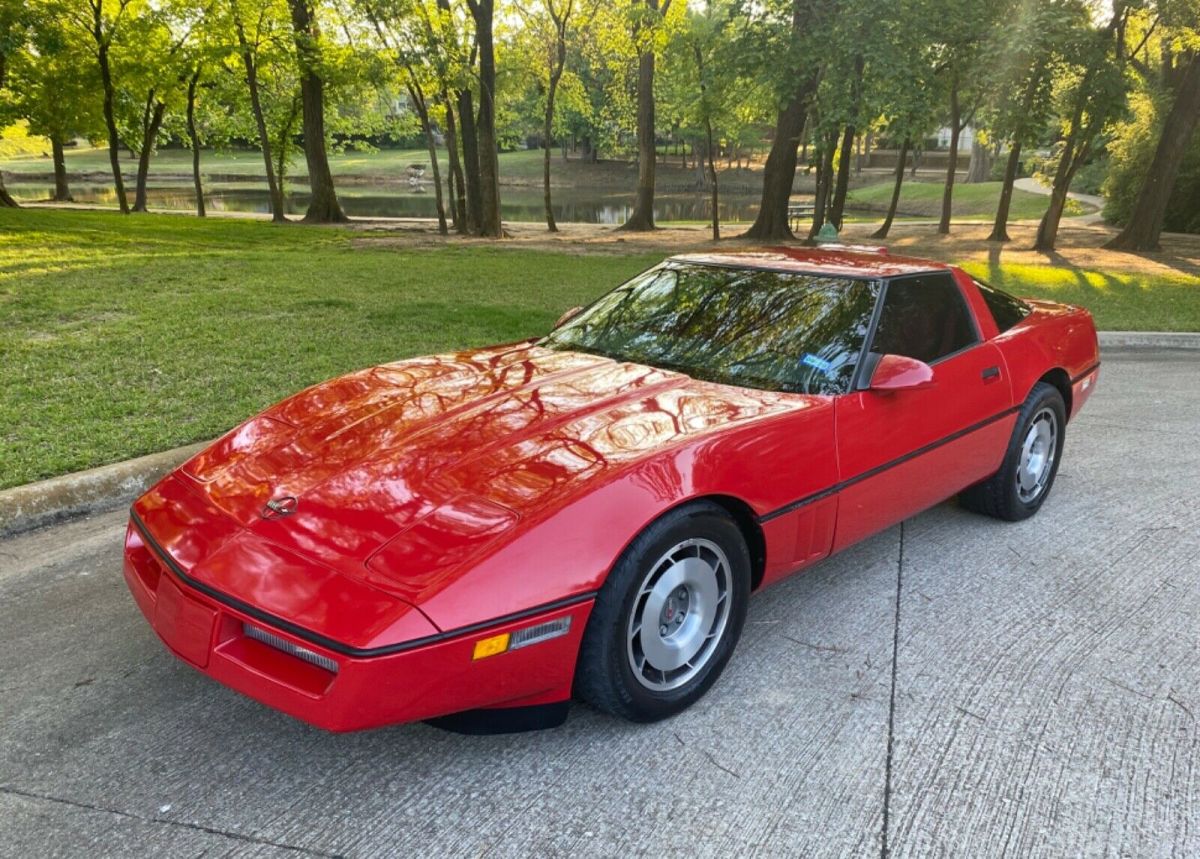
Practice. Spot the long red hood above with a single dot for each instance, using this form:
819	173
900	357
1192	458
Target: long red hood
449	452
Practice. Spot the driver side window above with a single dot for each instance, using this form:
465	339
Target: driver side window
924	317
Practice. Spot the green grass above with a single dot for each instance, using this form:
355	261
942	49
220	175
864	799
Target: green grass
1119	301
976	201
124	336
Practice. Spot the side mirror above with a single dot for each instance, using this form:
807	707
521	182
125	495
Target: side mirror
898	373
568	316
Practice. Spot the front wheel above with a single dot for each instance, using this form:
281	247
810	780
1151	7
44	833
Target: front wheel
1030	465
666	621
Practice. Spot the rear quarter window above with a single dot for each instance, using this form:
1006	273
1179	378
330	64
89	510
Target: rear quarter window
1006	309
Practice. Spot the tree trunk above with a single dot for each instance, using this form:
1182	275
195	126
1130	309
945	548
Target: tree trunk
323	206
489	162
824	181
979	168
952	166
1000	227
712	173
886	226
422	106
195	139
458	198
110	120
274	181
642	217
779	172
470	145
1047	233
843	179
6	199
62	192
150	126
560	61
1145	225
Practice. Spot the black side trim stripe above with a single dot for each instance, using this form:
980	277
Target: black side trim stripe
1086	373
871	472
329	643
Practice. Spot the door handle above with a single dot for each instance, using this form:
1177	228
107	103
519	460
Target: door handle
991	374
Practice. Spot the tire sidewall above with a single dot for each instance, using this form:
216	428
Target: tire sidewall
696	520
1042	396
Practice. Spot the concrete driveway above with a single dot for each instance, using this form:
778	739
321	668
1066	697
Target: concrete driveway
1042	700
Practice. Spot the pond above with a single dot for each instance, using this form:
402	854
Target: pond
590	206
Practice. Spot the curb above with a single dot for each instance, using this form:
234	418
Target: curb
33	505
1149	340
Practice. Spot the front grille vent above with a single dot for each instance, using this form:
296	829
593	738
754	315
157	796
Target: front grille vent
272	640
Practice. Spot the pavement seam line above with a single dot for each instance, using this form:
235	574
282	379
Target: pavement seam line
891	723
199	827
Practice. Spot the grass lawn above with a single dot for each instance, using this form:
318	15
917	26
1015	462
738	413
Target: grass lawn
976	201
124	336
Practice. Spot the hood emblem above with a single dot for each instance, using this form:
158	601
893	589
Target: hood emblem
279	507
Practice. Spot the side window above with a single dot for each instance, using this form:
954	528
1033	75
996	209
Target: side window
1007	310
923	317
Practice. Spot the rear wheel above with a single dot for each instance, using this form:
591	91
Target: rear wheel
1030	465
666	621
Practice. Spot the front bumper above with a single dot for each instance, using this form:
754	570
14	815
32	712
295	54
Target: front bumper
432	678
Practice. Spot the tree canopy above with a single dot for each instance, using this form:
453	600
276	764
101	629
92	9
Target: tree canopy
812	86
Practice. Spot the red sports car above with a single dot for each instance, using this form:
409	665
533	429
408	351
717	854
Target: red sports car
587	513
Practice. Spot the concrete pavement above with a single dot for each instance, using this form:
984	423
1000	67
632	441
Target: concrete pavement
1041	699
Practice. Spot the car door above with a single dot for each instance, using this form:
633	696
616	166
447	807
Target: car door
902	451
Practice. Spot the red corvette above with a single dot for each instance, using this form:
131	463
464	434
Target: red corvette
586	514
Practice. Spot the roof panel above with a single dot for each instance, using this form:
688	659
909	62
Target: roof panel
841	260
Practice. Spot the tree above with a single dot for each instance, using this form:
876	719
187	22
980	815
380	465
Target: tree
249	46
647	22
551	30
906	80
1091	93
51	84
961	37
13	33
482	12
1180	74
797	76
1020	100
102	21
387	19
323	206
154	66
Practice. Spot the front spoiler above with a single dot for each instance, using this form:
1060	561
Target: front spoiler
425	681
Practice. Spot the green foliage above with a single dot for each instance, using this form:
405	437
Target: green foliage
1130	152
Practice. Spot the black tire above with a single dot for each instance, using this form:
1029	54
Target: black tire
605	674
1000	496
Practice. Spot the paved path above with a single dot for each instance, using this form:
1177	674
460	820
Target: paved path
1042	700
1033	186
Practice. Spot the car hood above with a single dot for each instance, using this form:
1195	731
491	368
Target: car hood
450	452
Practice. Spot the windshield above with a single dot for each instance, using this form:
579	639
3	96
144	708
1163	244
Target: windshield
777	331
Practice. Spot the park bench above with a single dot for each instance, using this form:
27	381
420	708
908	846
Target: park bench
798	213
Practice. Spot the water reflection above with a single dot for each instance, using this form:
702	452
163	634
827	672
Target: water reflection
589	206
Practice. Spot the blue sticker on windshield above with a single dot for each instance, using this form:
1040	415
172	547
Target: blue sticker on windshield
819	363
